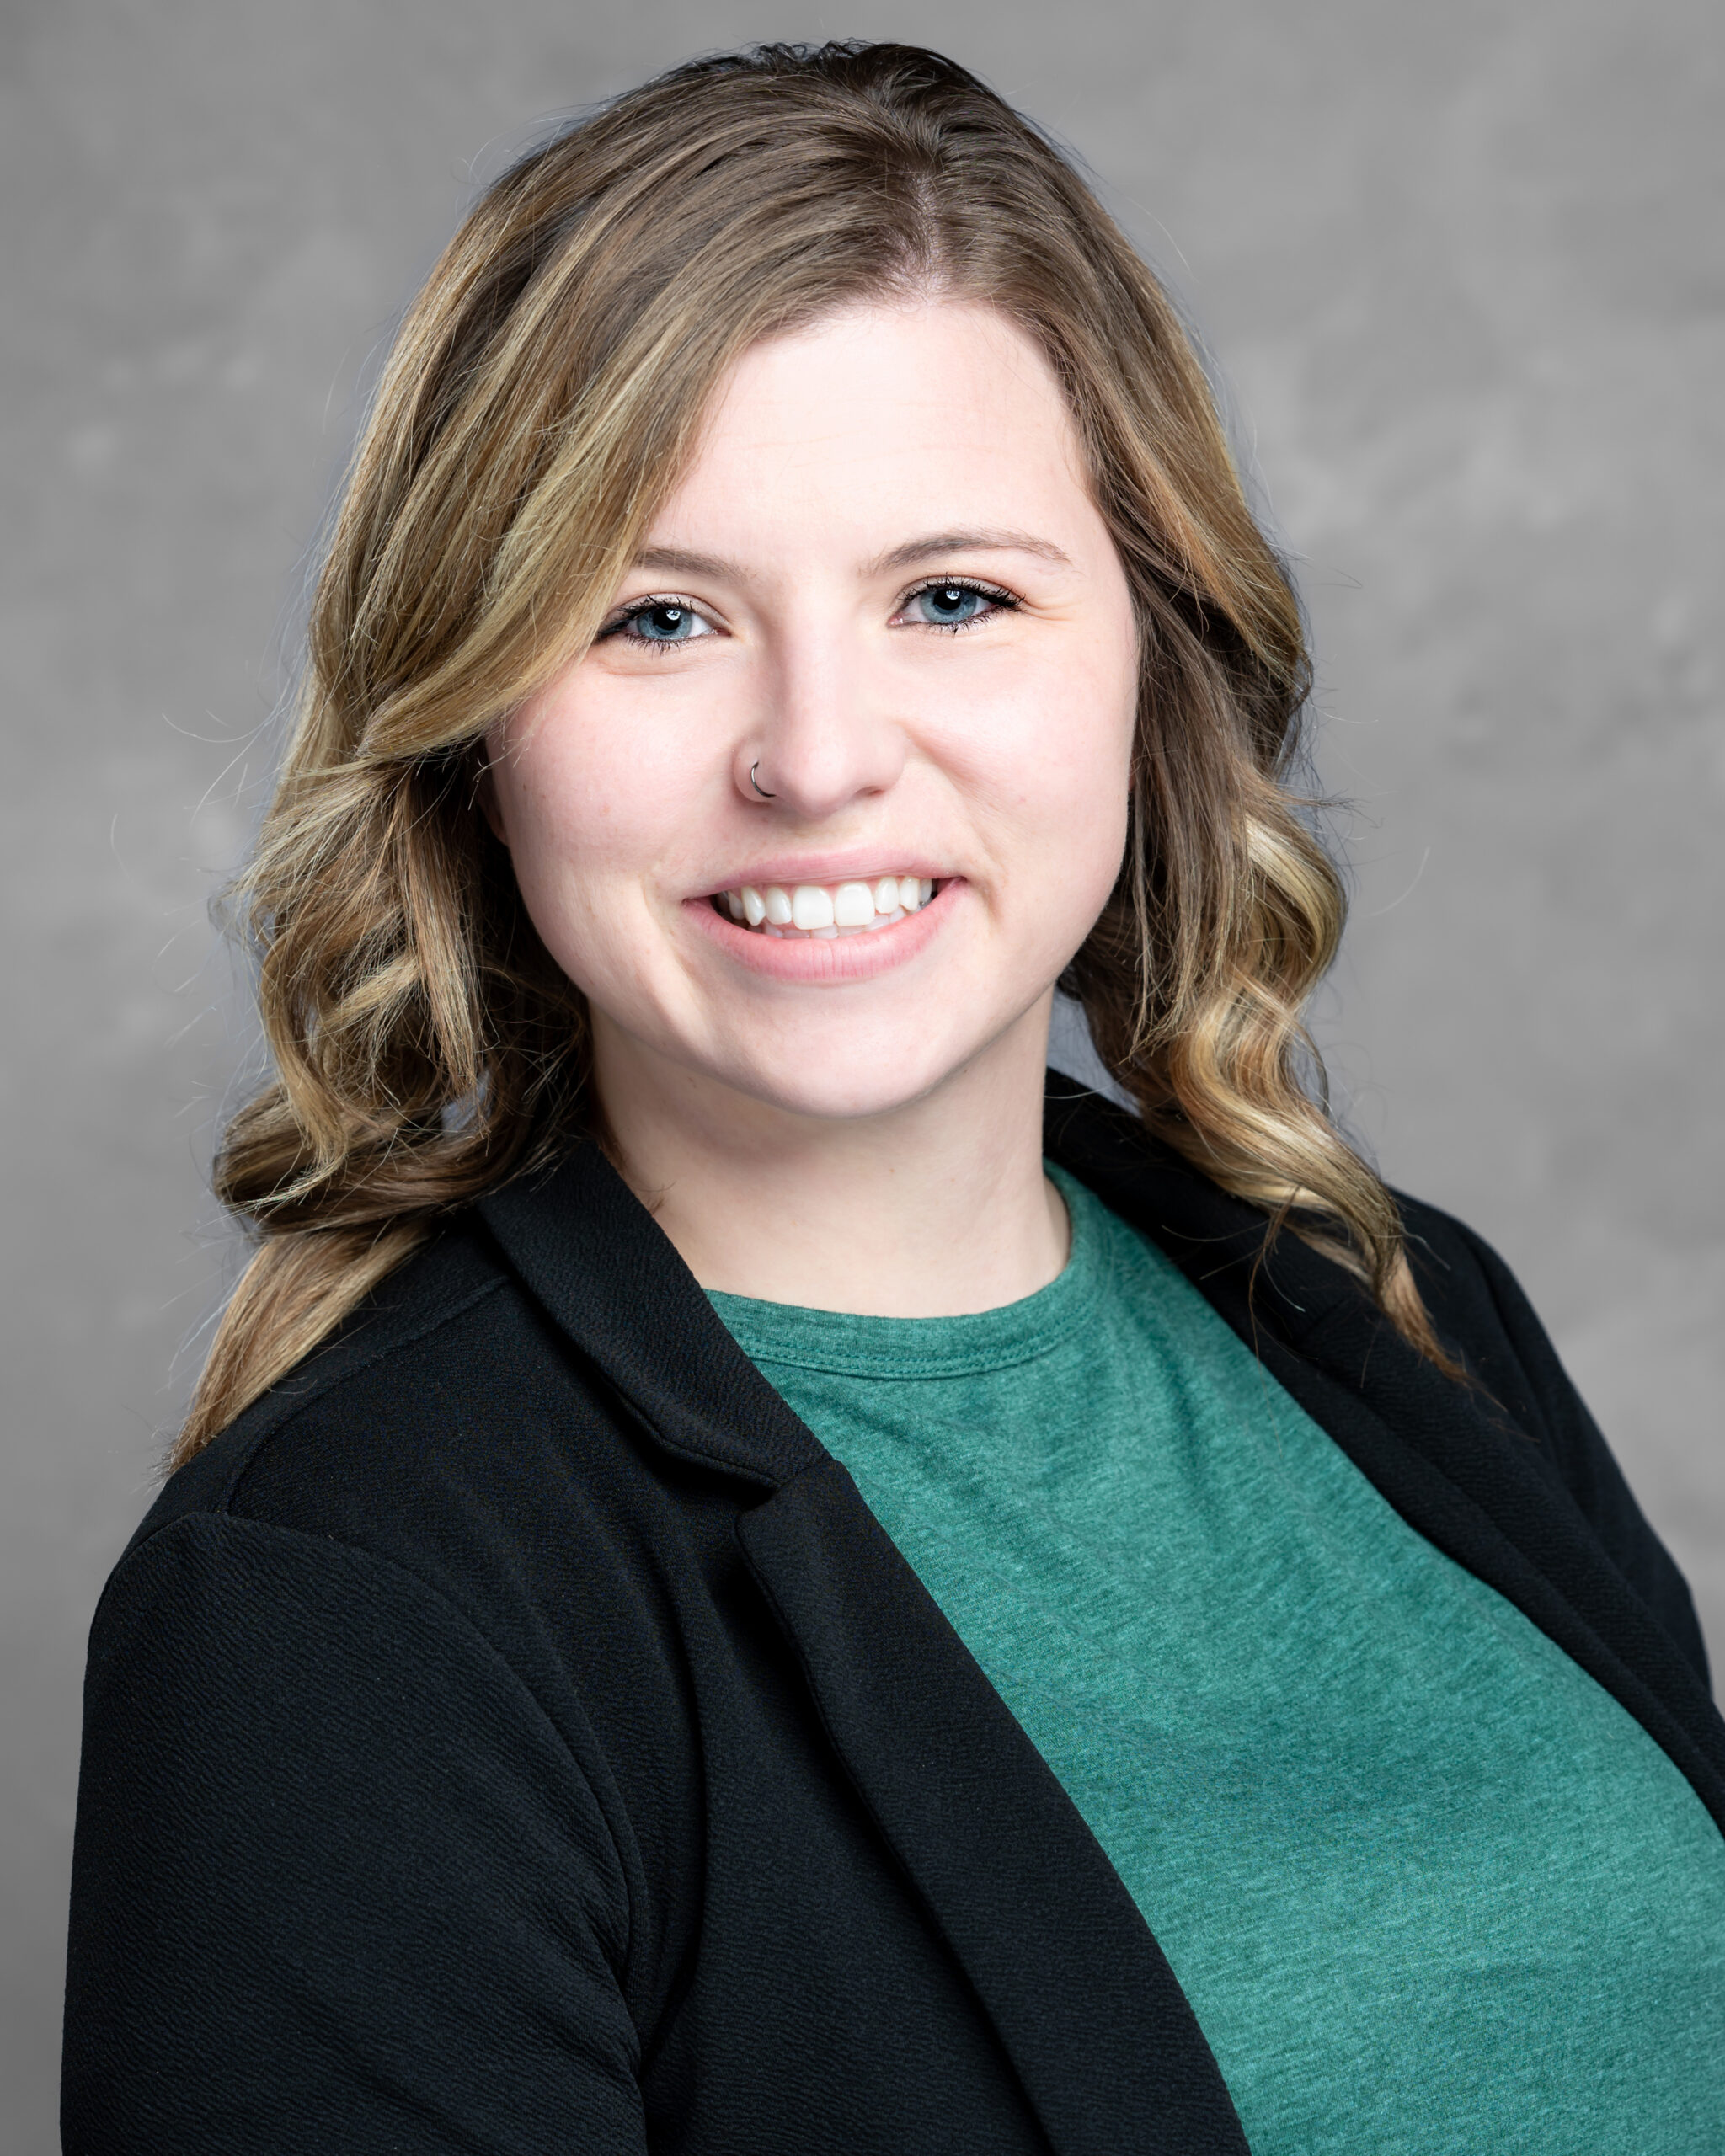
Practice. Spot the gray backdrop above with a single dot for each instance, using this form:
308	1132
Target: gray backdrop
1464	268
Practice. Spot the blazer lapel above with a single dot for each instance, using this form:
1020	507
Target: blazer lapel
591	1252
1108	2051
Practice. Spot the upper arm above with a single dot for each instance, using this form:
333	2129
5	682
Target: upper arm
337	1883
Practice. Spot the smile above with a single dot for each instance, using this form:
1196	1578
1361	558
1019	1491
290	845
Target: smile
825	910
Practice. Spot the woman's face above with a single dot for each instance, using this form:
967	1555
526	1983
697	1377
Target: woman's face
871	684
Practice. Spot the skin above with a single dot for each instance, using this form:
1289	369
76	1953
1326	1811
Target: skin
852	1125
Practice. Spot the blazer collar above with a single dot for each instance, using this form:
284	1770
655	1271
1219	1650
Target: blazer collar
1219	1241
599	1265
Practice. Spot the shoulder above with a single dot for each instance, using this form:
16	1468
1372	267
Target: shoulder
1262	1280
1517	1385
1466	1285
450	1373
1482	1313
375	1508
448	1432
397	1325
1518	1440
448	1483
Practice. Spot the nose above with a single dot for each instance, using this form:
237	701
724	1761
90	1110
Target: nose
824	736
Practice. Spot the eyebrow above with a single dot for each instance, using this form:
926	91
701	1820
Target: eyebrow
965	543
677	561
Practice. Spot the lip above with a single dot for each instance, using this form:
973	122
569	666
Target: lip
815	960
855	867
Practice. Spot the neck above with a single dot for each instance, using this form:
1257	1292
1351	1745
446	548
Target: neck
934	1208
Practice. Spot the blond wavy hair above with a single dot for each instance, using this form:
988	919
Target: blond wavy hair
543	395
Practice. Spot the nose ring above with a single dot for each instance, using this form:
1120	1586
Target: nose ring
756	784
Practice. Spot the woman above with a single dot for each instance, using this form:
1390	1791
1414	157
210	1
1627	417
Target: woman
746	1573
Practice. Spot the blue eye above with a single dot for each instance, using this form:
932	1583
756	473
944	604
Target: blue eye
948	606
658	621
951	603
663	623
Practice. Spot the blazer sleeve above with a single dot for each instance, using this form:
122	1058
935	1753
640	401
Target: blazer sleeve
1545	1397
338	1883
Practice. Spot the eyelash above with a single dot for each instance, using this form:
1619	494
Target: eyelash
1002	600
618	627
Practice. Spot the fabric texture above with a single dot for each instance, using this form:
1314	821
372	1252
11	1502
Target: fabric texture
516	1734
1410	1864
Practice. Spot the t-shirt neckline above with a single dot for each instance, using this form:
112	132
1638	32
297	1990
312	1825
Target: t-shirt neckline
846	1344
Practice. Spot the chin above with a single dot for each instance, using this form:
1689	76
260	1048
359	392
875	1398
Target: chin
839	1097
842	1082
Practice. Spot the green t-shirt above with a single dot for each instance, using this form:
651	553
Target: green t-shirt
1427	1885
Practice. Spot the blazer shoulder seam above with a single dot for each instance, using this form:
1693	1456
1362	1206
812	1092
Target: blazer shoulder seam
320	1389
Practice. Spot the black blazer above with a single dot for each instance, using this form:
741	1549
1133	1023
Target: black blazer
515	1734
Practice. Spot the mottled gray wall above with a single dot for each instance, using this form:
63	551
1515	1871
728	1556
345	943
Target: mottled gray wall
1463	266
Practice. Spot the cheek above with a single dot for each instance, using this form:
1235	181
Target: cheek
571	805
1088	833
1062	764
1102	741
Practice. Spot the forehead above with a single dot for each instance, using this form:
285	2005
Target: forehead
882	416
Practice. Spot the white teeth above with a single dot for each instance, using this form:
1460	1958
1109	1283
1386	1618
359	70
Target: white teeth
827	909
